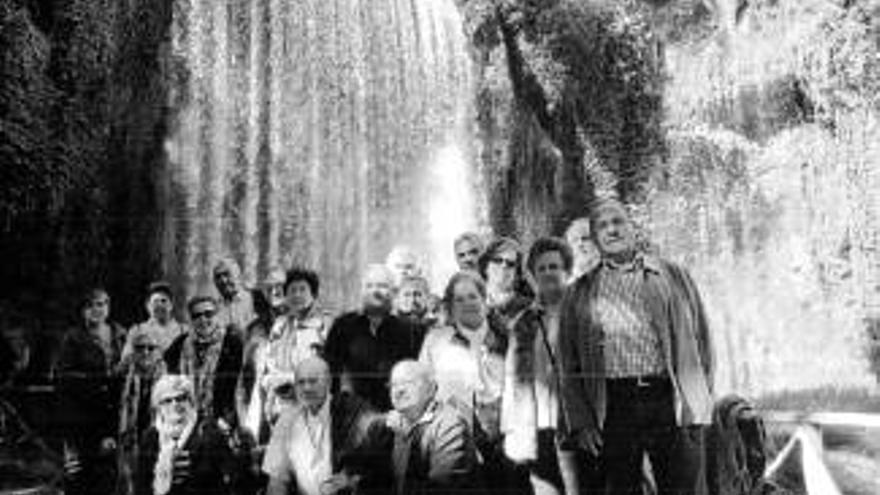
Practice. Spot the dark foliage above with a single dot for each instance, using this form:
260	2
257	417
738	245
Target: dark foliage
562	84
82	109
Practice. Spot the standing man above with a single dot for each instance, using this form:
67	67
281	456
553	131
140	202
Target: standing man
161	323
211	354
236	306
637	363
578	237
362	346
403	262
468	248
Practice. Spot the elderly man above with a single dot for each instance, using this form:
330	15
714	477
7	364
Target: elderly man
327	444
212	355
468	248
184	454
434	452
403	262
637	363
362	346
236	306
586	255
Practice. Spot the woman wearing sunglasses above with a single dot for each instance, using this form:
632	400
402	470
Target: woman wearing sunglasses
507	291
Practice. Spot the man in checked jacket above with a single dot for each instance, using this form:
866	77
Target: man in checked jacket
636	363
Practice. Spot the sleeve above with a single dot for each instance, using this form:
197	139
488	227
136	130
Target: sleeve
332	347
452	458
576	413
427	348
701	323
276	462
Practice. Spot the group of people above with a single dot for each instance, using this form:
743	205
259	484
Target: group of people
581	365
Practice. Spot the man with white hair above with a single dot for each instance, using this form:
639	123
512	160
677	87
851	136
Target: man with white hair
434	451
403	262
327	444
236	305
363	345
183	453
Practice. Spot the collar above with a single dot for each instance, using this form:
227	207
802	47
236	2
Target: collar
323	414
641	261
427	416
468	337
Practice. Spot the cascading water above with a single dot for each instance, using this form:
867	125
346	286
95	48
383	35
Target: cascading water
313	132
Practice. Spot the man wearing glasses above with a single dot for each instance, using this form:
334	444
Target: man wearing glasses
211	355
183	453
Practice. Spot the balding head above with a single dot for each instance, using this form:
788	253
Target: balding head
312	382
378	287
412	388
403	262
226	273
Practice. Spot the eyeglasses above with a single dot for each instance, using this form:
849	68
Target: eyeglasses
179	399
206	314
509	263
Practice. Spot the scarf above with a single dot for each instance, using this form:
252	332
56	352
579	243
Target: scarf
170	442
135	391
199	359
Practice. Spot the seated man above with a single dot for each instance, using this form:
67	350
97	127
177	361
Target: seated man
434	452
183	453
327	444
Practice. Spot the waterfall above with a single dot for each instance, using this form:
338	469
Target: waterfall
311	132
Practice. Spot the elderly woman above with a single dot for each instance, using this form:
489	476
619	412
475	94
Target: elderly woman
141	371
183	454
467	358
507	291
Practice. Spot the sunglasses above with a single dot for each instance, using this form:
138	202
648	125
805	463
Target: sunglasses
509	263
179	399
206	314
146	347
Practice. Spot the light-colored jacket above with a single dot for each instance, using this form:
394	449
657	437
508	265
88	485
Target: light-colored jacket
684	335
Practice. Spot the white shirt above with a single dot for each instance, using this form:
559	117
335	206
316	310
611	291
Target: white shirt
300	449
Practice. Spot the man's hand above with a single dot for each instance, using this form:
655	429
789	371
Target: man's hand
590	440
395	421
181	468
338	483
108	445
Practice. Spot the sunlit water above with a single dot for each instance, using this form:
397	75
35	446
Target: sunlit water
315	132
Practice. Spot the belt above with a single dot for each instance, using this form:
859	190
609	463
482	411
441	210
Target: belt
644	381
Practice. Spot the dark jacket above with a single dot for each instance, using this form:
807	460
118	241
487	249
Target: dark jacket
226	377
437	456
214	469
88	386
364	359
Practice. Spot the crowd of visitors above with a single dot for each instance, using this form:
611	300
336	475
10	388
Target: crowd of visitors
563	368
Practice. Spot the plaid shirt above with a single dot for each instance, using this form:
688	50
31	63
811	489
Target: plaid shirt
632	346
